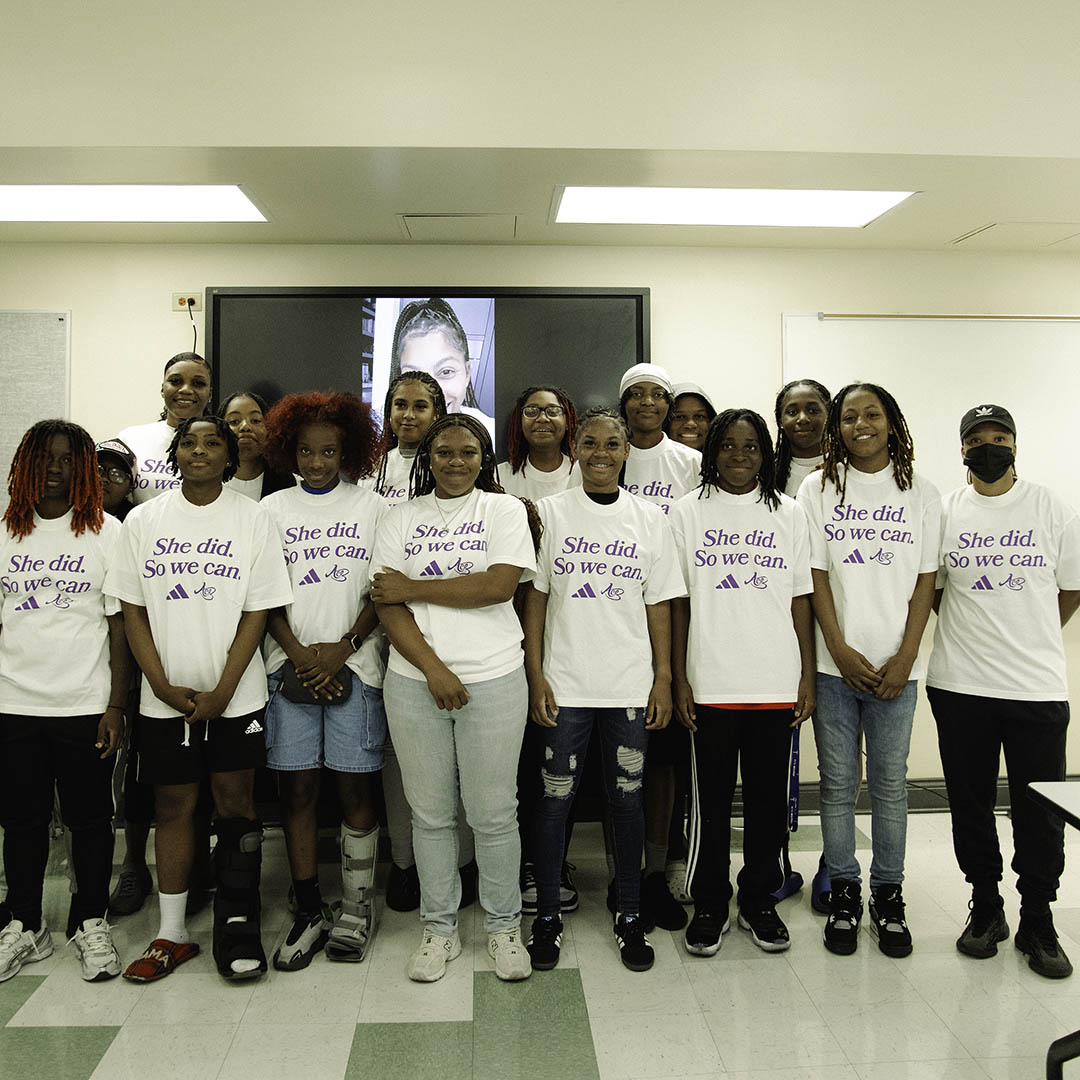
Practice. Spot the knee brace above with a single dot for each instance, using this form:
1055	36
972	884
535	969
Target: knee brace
237	864
358	850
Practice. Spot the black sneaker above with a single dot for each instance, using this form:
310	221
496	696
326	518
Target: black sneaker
703	936
658	906
133	886
528	889
634	948
887	921
765	926
1038	941
845	912
568	894
403	888
986	926
545	939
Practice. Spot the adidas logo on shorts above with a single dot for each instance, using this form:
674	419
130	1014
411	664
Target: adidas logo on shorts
253	728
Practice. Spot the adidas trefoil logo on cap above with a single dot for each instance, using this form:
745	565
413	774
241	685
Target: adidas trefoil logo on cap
984	410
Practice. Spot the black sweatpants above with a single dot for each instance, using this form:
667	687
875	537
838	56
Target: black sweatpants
759	740
36	753
972	732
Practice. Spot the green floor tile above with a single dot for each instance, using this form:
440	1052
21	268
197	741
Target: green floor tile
14	993
532	1030
436	1051
54	1052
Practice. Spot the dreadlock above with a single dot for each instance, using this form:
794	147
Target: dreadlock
422	480
517	449
222	428
389	440
901	447
768	489
344	411
425	317
26	481
783	447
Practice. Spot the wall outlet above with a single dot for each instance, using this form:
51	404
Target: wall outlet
185	301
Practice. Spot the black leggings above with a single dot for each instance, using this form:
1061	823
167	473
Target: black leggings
36	753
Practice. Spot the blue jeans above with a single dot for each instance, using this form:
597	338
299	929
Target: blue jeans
887	729
477	746
623	740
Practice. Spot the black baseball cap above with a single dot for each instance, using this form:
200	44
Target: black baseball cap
987	414
119	449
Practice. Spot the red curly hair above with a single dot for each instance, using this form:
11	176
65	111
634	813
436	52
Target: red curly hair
345	411
26	481
516	446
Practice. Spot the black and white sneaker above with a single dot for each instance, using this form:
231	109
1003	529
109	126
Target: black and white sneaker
887	922
704	935
528	889
545	941
841	934
634	948
306	937
765	926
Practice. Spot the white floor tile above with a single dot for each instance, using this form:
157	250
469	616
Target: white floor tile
659	1045
749	1038
278	1051
188	1052
64	1000
891	1031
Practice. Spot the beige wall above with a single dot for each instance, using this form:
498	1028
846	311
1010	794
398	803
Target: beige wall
715	313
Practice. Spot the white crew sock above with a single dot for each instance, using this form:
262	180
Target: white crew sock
172	926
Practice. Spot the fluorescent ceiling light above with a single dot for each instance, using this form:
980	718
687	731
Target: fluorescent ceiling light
126	202
770	207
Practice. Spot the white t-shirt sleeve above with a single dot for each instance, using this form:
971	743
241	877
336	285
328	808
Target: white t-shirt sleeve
389	551
510	540
123	580
664	580
931	529
802	581
810	499
1068	564
269	582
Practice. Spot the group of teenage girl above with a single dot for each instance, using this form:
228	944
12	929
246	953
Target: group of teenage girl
635	582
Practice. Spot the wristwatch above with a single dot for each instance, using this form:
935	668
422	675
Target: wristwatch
355	640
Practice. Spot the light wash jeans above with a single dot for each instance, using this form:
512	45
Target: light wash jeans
478	746
887	729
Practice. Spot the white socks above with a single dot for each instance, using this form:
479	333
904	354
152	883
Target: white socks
172	927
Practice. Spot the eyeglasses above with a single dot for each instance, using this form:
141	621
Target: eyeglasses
552	412
635	394
110	472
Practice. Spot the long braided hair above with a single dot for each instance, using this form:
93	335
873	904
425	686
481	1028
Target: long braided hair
768	489
517	448
901	446
389	440
425	317
783	447
26	481
422	479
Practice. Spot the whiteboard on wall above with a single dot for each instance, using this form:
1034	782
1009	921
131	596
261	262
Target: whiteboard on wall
35	356
939	367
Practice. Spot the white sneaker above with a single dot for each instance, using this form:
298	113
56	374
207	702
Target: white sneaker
428	963
19	946
94	944
512	961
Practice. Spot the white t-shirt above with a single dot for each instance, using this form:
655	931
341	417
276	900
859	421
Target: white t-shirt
1004	559
54	649
530	483
743	563
662	475
395	487
874	547
196	569
442	538
150	443
327	540
801	468
251	489
600	564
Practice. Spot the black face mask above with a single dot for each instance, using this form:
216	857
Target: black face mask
989	462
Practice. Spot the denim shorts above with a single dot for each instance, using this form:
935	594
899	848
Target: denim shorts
348	738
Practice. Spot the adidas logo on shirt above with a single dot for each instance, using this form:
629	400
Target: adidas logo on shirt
431	570
310	578
584	593
855	557
177	593
29	605
982	584
728	583
253	728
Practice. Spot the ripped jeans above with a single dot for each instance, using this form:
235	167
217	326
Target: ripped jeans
623	740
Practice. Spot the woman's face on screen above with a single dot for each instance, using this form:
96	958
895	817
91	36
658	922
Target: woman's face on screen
437	354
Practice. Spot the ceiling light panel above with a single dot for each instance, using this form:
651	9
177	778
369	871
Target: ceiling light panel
126	202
